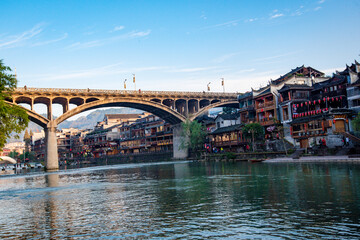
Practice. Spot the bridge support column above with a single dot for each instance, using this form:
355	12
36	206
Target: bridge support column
178	152
52	158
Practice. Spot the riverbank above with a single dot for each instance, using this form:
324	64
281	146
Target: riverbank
344	158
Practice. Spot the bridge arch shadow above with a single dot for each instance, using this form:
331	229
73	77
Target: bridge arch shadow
155	108
233	104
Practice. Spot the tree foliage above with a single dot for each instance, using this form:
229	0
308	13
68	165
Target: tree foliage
356	123
194	135
12	118
229	110
256	127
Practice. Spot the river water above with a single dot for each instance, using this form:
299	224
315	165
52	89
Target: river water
184	200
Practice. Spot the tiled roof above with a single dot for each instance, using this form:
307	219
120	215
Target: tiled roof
227	129
294	86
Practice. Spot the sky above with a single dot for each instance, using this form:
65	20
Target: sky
174	45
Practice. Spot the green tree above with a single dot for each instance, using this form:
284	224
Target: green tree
229	110
13	119
279	129
27	140
14	154
356	123
194	135
253	131
28	155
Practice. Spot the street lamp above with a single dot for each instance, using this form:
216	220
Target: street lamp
134	81
125	84
223	83
208	86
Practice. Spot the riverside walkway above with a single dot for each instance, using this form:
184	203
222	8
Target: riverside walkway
312	159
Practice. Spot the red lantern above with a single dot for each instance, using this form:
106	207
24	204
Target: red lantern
324	99
301	104
309	102
305	103
337	99
334	121
327	109
294	105
332	99
319	101
314	102
297	105
340	97
328	98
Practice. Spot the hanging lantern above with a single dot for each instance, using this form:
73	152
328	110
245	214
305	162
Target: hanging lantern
319	101
297	105
328	98
340	97
309	102
306	103
314	102
332	99
337	99
324	99
294	105
334	121
301	104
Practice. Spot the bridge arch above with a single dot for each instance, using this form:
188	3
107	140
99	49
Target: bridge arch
155	108
34	117
234	104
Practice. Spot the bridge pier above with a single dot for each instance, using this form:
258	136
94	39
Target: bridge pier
52	158
179	153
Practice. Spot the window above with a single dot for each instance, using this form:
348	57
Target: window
285	114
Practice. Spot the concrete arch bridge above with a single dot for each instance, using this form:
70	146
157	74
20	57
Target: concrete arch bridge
172	106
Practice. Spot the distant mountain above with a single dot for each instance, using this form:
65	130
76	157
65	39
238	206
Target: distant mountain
84	122
90	120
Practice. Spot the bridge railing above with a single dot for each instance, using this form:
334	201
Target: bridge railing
122	92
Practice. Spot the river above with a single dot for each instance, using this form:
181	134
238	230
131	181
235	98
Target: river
184	200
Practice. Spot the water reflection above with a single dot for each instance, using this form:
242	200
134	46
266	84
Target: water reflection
184	200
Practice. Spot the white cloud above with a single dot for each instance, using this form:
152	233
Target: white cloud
20	39
317	8
226	24
117	28
203	16
321	1
251	20
274	57
104	41
108	70
225	57
276	15
50	41
191	70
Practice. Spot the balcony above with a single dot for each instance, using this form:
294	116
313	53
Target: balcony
266	121
265	106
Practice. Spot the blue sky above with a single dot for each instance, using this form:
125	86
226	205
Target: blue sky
174	45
